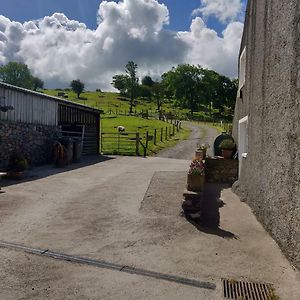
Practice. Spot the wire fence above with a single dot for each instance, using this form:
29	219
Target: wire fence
137	143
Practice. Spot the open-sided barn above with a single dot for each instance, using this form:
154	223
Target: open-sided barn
30	121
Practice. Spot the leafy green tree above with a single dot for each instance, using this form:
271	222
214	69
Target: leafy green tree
37	83
193	86
145	91
17	74
184	82
121	83
158	93
131	70
77	86
147	80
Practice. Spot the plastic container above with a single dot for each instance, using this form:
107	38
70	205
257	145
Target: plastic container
218	141
77	150
68	143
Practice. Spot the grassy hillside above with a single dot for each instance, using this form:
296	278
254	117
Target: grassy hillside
114	113
113	103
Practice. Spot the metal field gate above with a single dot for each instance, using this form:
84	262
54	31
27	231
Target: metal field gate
120	143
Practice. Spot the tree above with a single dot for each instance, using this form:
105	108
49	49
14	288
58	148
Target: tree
193	86
77	86
158	93
121	83
37	83
131	70
145	91
147	80
17	74
184	82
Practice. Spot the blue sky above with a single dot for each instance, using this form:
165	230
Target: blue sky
85	11
58	48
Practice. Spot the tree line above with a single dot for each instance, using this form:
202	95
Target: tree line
188	86
19	74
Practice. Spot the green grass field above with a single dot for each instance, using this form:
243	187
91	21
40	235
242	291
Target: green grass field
124	143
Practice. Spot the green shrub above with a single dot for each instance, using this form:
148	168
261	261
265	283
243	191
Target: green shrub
227	144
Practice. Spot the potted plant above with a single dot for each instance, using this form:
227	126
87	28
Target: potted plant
227	146
196	176
201	151
17	166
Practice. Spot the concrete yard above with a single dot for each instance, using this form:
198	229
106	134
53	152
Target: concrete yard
126	210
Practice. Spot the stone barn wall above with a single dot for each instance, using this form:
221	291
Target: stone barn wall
270	175
35	141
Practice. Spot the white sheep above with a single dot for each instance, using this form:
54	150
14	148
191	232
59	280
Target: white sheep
121	128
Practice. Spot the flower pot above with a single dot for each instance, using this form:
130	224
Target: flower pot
195	182
227	153
200	154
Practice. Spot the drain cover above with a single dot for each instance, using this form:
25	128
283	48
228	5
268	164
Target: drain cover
244	290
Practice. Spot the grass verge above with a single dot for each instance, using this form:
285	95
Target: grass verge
125	143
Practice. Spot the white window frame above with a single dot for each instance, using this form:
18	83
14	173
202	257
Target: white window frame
242	141
242	69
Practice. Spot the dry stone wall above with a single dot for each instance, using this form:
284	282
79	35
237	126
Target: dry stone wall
35	141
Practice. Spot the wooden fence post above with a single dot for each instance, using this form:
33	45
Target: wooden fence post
154	137
161	134
137	143
166	133
147	137
173	129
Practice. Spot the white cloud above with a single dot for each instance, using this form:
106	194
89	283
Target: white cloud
59	50
223	10
209	50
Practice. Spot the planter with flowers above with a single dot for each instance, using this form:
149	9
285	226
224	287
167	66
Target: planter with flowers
227	146
201	151
196	176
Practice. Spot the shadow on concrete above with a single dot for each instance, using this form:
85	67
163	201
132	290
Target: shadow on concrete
43	171
210	214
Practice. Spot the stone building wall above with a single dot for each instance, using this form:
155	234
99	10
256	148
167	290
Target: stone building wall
35	141
270	175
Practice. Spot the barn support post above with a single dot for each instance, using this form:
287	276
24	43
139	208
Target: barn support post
99	135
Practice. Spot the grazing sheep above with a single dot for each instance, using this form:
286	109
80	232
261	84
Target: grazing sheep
121	128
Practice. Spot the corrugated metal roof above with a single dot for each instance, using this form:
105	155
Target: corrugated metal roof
50	98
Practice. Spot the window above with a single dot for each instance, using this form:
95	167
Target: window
243	141
242	70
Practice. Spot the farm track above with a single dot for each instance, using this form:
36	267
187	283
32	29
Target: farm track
185	149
